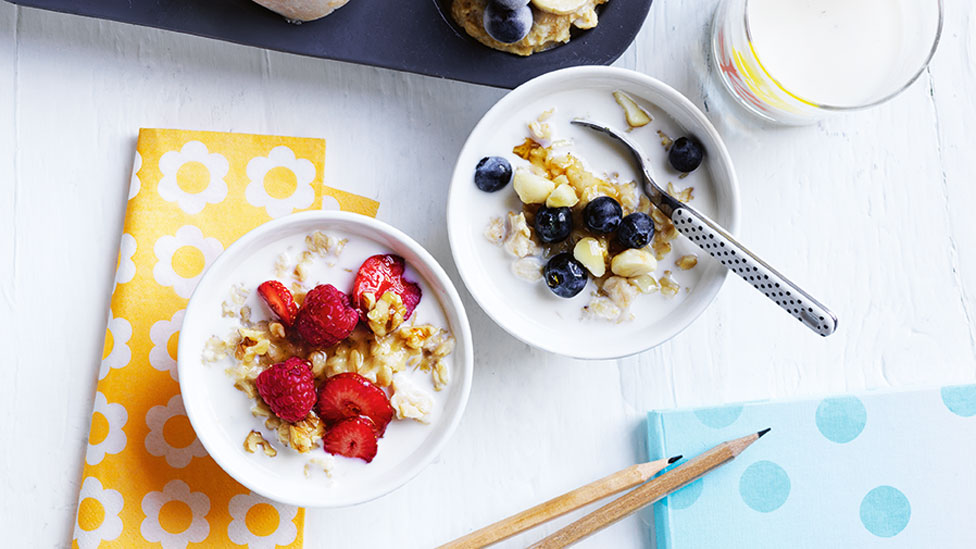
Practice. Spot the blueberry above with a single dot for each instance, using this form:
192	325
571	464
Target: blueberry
602	215
636	230
553	224
492	173
507	25
686	154
564	275
509	4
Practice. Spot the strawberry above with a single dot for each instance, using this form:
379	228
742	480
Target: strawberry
326	317
349	395
288	388
382	273
279	300
352	437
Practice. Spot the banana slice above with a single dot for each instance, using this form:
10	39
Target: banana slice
559	7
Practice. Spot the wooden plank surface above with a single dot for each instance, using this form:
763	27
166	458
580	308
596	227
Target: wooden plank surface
871	210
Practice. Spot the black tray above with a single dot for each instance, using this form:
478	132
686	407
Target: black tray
408	35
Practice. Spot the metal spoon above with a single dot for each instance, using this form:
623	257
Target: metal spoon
712	238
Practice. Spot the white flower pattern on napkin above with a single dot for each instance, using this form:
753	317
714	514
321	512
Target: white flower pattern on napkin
280	202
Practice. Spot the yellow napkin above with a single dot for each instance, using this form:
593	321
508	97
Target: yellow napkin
147	480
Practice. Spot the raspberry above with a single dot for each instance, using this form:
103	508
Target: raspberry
288	388
326	317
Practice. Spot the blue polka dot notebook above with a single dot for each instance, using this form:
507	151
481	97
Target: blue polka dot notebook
885	469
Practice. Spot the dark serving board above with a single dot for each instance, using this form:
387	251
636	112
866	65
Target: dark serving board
407	35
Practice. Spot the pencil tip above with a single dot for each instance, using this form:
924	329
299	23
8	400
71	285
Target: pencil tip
674	459
763	432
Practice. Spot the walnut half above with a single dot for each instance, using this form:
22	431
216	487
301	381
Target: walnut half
255	439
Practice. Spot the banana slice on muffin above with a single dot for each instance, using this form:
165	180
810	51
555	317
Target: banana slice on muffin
559	7
303	10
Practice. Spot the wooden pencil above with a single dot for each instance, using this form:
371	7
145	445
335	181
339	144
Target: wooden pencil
648	492
560	505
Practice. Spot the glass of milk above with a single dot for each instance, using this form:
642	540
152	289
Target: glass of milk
796	61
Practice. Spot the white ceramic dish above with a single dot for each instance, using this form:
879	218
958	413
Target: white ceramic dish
220	414
529	311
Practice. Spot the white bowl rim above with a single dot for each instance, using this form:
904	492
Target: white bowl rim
462	336
616	73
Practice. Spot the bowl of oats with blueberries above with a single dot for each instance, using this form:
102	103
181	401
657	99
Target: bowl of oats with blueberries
550	228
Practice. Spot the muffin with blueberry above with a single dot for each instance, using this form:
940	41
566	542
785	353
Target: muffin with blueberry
524	27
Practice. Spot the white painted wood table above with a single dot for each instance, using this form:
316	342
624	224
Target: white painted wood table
873	211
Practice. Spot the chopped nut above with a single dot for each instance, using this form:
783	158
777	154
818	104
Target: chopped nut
685	195
563	196
302	436
687	262
645	283
633	262
277	329
666	140
523	151
531	187
668	286
635	115
592	253
255	439
416	336
253	344
385	315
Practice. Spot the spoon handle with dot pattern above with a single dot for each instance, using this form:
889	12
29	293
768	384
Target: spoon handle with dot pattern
713	239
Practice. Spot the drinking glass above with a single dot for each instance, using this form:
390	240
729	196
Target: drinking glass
796	61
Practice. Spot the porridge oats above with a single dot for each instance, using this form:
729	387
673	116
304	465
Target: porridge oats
575	225
328	372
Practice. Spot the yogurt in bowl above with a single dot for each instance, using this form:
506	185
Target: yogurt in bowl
230	337
481	225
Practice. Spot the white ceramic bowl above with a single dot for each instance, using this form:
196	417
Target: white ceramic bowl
529	311
219	413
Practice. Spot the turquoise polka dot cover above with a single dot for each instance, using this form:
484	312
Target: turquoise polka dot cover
884	469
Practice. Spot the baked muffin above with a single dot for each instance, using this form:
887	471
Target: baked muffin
303	10
552	21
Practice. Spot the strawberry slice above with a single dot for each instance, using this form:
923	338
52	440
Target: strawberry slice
353	437
279	300
349	394
382	273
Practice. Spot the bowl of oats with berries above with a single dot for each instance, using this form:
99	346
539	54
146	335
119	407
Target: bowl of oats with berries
551	230
324	359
